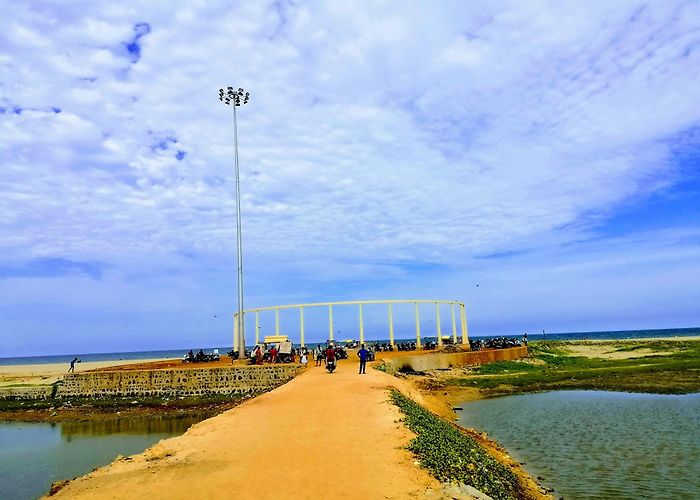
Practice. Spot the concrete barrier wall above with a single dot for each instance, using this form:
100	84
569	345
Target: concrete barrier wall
433	361
38	392
177	382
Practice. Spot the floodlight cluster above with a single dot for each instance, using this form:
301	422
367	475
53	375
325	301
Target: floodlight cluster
237	97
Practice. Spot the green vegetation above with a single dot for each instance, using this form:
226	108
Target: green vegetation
119	403
505	367
451	455
551	365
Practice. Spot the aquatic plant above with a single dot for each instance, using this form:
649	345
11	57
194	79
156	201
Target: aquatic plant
453	456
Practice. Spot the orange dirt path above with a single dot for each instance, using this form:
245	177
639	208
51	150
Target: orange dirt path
319	436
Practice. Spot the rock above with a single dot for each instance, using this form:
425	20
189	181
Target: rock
57	486
157	452
461	491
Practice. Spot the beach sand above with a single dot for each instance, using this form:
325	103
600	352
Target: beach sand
45	374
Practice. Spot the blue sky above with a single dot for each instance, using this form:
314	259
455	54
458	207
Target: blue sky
547	151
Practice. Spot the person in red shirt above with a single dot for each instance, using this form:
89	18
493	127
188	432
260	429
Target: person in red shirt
330	354
273	355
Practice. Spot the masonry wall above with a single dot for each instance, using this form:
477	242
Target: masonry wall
176	382
38	392
433	361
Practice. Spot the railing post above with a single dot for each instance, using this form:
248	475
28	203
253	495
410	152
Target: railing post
277	320
417	326
454	325
391	325
235	331
362	327
465	334
257	327
301	324
437	323
330	321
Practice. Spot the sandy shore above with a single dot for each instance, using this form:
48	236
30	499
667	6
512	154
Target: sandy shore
43	374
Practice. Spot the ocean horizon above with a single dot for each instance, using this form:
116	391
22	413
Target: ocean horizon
179	353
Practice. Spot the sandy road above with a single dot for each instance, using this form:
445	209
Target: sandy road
319	436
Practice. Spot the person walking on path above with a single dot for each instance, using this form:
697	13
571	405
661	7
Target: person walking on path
72	365
318	355
362	354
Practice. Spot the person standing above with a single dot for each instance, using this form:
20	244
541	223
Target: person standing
362	354
258	355
72	365
273	354
318	354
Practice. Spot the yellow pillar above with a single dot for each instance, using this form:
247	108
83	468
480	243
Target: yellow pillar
437	323
391	325
465	334
362	327
235	331
454	325
277	321
330	321
417	326
301	324
257	327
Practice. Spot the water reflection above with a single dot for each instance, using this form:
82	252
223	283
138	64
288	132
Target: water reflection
33	455
144	424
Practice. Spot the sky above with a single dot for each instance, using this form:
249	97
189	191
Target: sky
537	160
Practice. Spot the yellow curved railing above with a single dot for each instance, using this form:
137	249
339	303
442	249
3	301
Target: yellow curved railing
360	303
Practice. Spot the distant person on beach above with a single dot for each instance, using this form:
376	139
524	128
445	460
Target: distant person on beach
362	354
273	355
525	338
318	355
303	359
72	365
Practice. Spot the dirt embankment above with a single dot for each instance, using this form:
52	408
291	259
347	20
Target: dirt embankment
320	434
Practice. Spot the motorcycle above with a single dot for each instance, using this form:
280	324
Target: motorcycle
330	365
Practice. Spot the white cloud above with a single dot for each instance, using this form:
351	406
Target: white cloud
423	133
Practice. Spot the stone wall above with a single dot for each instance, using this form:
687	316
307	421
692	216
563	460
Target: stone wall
176	382
35	392
433	361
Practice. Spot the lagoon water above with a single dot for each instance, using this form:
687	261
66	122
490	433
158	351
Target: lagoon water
33	455
599	445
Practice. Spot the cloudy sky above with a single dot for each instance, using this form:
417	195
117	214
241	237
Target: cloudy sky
548	152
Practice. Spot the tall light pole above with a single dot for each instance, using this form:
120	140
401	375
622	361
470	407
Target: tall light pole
236	98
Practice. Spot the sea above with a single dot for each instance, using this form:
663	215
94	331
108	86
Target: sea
180	353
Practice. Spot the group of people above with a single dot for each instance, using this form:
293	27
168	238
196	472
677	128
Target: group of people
496	343
200	357
331	354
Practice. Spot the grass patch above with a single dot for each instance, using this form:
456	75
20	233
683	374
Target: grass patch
675	373
117	402
505	366
451	455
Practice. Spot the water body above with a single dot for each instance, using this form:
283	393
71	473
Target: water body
33	455
370	337
599	445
